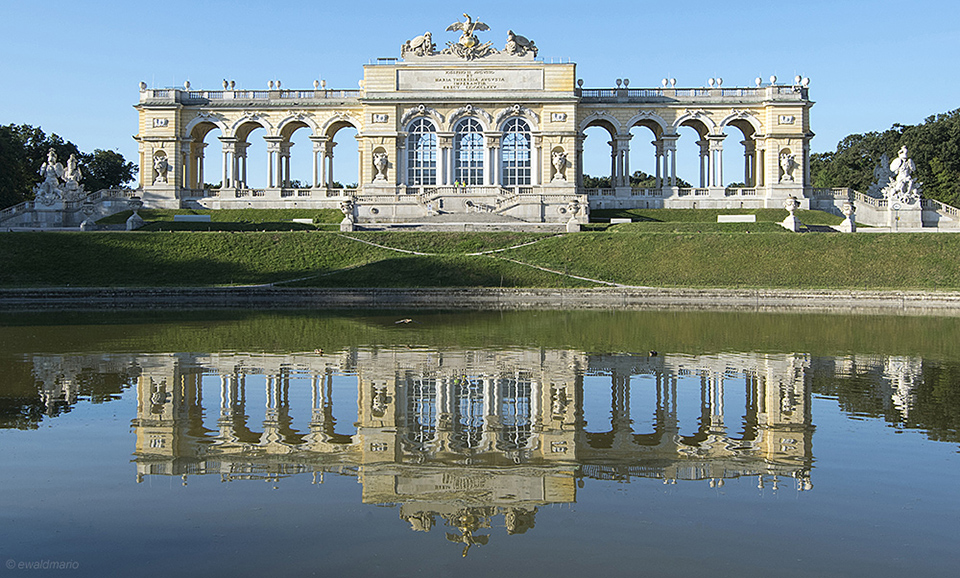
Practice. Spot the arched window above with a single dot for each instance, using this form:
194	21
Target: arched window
469	146
421	153
516	153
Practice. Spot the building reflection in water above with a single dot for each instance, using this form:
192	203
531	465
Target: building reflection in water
461	438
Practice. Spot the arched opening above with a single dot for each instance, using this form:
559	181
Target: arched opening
469	152
198	174
693	150
739	155
342	156
297	152
515	149
250	168
421	153
645	164
597	412
598	137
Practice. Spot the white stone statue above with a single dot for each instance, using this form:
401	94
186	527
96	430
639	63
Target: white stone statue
71	189
559	164
519	46
467	28
901	186
160	166
380	163
468	46
420	46
48	191
788	163
881	176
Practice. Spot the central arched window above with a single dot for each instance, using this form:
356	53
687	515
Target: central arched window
516	153
469	147
421	153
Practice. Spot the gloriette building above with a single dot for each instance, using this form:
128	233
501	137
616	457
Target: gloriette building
479	129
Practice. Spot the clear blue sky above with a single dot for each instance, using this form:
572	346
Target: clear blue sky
72	67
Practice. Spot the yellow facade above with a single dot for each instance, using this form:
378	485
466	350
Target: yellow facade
505	138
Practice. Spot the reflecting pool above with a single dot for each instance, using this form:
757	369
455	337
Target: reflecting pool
430	443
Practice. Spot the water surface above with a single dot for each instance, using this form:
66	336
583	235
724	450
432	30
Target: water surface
415	443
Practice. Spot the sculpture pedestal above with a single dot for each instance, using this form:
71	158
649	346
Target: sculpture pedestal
792	223
905	216
847	226
346	225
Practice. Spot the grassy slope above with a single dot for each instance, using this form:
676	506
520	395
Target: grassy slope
621	255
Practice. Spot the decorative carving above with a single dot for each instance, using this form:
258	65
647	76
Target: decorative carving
901	186
420	109
516	110
380	118
881	176
160	166
468	110
468	45
420	46
558	117
380	163
71	189
559	164
788	163
48	191
791	204
519	46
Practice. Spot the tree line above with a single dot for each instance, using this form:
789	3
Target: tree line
933	145
23	149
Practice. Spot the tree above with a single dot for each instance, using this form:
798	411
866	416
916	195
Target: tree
934	146
23	149
105	170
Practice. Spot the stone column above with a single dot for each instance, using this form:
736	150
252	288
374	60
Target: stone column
229	147
749	162
285	164
200	155
613	163
578	161
330	147
273	160
186	176
401	171
445	162
537	167
704	162
319	144
658	155
716	160
670	158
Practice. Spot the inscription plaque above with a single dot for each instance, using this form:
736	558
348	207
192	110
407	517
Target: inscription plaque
470	79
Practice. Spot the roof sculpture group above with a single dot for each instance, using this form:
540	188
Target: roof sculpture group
468	46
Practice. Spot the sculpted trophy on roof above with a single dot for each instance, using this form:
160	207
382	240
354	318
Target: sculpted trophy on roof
468	46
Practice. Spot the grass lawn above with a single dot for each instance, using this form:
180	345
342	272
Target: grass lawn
664	248
233	219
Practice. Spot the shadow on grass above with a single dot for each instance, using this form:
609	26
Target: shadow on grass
144	260
213	226
442	271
